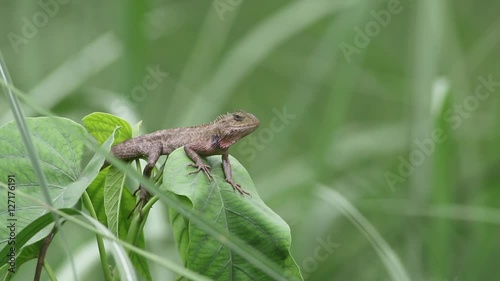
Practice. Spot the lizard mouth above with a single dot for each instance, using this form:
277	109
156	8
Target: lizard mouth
248	126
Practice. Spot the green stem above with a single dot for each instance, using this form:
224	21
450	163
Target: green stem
136	226
100	242
138	221
138	166
49	271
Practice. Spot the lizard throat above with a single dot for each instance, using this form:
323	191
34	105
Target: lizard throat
225	141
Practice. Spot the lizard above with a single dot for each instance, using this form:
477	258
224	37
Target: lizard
214	138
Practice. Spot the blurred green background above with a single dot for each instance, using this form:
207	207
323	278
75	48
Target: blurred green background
379	139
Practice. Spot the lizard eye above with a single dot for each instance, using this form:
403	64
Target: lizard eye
238	117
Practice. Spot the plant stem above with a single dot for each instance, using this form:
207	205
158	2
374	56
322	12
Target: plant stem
49	271
43	252
138	221
100	242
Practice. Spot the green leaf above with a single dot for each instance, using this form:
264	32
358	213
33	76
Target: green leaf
101	126
112	202
246	217
136	130
96	193
113	190
5	275
118	203
27	253
123	263
60	145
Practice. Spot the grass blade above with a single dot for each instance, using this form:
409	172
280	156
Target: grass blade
252	49
28	143
386	253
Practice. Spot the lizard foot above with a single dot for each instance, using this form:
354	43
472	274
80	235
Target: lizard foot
202	167
143	199
237	187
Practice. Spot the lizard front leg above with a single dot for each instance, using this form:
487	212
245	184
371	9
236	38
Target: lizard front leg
229	175
199	165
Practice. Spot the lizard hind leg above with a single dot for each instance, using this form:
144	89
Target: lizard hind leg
144	195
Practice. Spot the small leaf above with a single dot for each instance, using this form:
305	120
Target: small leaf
101	126
113	190
136	130
246	217
116	210
119	202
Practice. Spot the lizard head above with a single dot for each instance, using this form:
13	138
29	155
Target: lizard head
234	126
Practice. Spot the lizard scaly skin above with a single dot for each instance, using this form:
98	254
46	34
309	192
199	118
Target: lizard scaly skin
214	138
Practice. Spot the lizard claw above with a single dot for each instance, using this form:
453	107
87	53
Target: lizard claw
237	187
202	167
143	199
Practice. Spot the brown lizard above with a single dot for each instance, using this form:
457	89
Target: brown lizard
213	138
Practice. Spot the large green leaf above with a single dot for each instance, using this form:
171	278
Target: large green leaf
63	156
123	263
246	217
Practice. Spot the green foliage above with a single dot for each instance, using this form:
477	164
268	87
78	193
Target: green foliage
359	113
101	125
118	202
65	163
245	217
111	200
27	252
61	145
